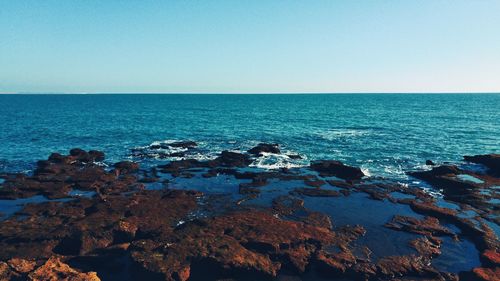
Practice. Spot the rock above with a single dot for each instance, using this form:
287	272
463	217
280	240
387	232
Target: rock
445	170
126	167
315	183
428	208
429	163
22	265
428	226
492	161
318	219
265	147
54	269
183	144
335	263
375	192
7	273
412	265
96	155
287	205
337	169
491	257
316	192
239	242
427	246
56	158
91	224
487	274
232	159
341	184
446	178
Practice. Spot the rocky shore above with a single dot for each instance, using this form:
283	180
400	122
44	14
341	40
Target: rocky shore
220	219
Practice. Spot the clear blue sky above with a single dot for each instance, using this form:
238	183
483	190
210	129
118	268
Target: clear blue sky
250	46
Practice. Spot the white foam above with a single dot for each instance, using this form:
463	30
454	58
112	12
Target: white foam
366	171
272	161
334	134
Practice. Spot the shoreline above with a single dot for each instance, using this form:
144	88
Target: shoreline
173	221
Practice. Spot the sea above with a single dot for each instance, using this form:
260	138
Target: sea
386	135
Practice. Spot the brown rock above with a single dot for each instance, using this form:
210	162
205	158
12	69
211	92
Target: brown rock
238	242
54	269
428	226
487	274
6	272
491	257
22	265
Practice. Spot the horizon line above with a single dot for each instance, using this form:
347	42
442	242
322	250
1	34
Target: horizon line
237	93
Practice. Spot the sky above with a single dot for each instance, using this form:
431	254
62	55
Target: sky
253	46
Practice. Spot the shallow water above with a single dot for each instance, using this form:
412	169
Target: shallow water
384	134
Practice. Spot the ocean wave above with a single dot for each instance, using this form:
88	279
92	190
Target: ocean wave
272	161
339	133
170	149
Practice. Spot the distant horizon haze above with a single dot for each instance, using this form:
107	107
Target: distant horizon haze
223	46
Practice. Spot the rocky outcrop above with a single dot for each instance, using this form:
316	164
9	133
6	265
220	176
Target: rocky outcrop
251	243
171	234
59	174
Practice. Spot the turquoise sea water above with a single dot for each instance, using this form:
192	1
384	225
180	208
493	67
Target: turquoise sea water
385	134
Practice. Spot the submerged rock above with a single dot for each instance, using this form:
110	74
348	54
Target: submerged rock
316	192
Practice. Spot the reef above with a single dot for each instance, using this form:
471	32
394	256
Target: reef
82	218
